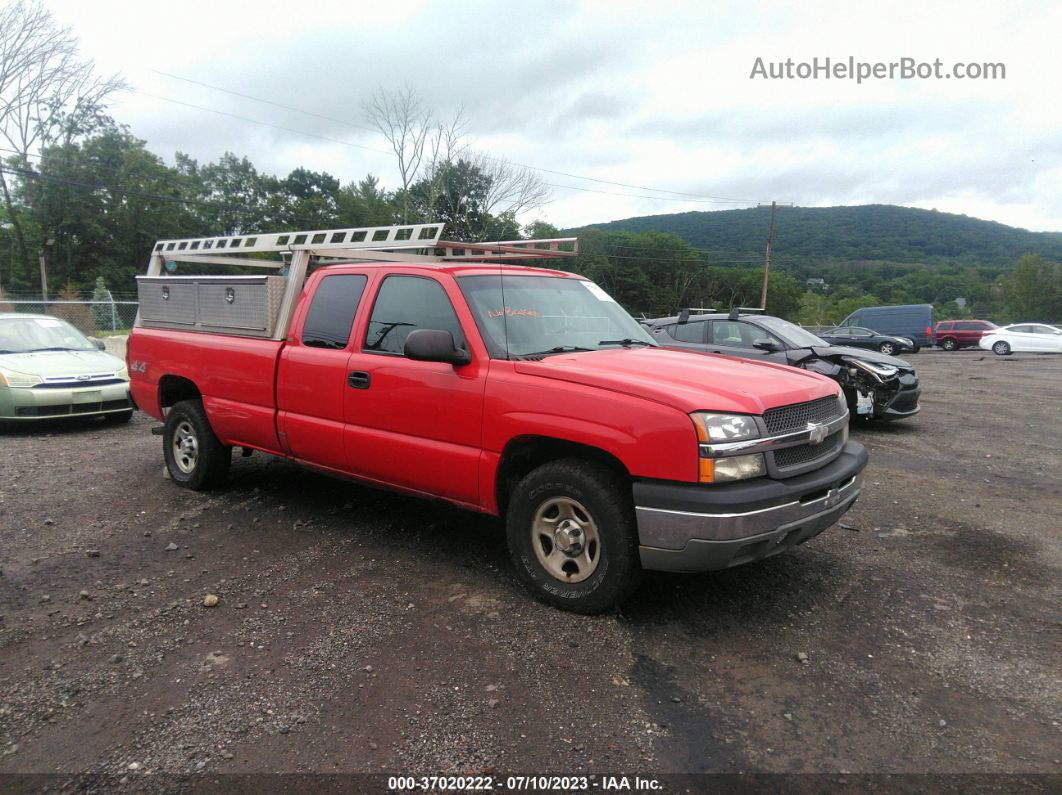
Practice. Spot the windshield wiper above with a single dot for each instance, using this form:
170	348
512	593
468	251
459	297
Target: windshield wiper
627	342
557	349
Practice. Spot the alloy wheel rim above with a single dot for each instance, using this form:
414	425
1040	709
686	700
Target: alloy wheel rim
185	447
565	539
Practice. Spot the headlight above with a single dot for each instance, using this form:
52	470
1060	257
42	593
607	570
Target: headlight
13	379
738	467
879	371
122	373
724	427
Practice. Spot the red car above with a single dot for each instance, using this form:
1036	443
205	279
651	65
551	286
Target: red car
520	392
955	334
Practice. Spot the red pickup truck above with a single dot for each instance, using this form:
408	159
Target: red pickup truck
516	391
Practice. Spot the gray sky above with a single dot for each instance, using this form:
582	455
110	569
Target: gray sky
650	94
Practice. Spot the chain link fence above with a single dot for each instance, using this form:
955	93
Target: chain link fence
89	317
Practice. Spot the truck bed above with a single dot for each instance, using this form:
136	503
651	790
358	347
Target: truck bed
236	376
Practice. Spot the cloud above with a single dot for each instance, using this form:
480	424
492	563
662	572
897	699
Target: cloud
656	95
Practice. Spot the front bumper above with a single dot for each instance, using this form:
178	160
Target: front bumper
904	403
38	403
689	528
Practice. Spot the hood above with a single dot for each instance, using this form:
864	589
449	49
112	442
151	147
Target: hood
60	363
831	351
686	380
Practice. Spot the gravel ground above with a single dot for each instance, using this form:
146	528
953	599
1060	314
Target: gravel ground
357	630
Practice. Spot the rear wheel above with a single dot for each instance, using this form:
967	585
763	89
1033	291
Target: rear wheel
887	348
949	345
194	456
1001	348
573	537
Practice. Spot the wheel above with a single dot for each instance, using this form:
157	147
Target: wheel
1001	348
194	457
573	537
118	418
949	345
887	348
916	349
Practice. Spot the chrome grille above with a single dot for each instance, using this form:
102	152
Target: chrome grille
797	416
788	457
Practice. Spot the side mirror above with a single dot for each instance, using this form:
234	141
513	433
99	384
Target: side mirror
434	345
99	344
765	345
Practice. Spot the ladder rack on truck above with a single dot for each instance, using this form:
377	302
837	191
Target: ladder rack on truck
262	305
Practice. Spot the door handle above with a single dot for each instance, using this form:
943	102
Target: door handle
358	379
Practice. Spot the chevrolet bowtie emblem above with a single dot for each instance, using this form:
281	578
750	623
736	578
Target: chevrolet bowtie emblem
817	432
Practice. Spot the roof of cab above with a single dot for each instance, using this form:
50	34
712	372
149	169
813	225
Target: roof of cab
463	268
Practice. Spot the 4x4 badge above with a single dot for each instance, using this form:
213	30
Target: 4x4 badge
817	432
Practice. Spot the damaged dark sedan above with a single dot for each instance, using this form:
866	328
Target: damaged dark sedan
877	386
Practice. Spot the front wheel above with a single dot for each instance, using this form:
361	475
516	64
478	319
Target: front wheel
572	536
119	418
949	345
195	458
1001	348
887	348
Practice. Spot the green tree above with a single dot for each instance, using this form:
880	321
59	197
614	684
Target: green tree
1033	290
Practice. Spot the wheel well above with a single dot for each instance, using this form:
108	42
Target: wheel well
175	388
527	453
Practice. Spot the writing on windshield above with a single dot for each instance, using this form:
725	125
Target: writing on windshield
523	315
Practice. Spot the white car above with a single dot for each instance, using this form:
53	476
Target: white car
1033	337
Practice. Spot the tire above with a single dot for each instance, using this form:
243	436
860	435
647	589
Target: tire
887	348
949	345
1001	348
916	349
194	457
118	418
596	506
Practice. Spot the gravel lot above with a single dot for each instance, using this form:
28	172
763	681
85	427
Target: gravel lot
361	631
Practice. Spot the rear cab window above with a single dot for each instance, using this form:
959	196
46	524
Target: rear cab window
331	314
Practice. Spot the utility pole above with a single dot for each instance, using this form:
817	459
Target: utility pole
767	259
44	271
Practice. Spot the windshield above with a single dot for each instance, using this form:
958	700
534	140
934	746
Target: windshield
524	315
793	334
27	334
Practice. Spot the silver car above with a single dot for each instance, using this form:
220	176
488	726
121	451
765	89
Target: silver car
49	369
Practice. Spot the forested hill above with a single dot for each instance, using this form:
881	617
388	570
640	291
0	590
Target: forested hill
805	236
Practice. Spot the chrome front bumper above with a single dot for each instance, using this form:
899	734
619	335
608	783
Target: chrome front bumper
697	528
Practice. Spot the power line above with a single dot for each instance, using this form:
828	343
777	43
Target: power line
259	121
265	101
691	196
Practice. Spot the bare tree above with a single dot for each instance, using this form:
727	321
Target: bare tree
513	188
406	122
446	145
46	88
428	148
